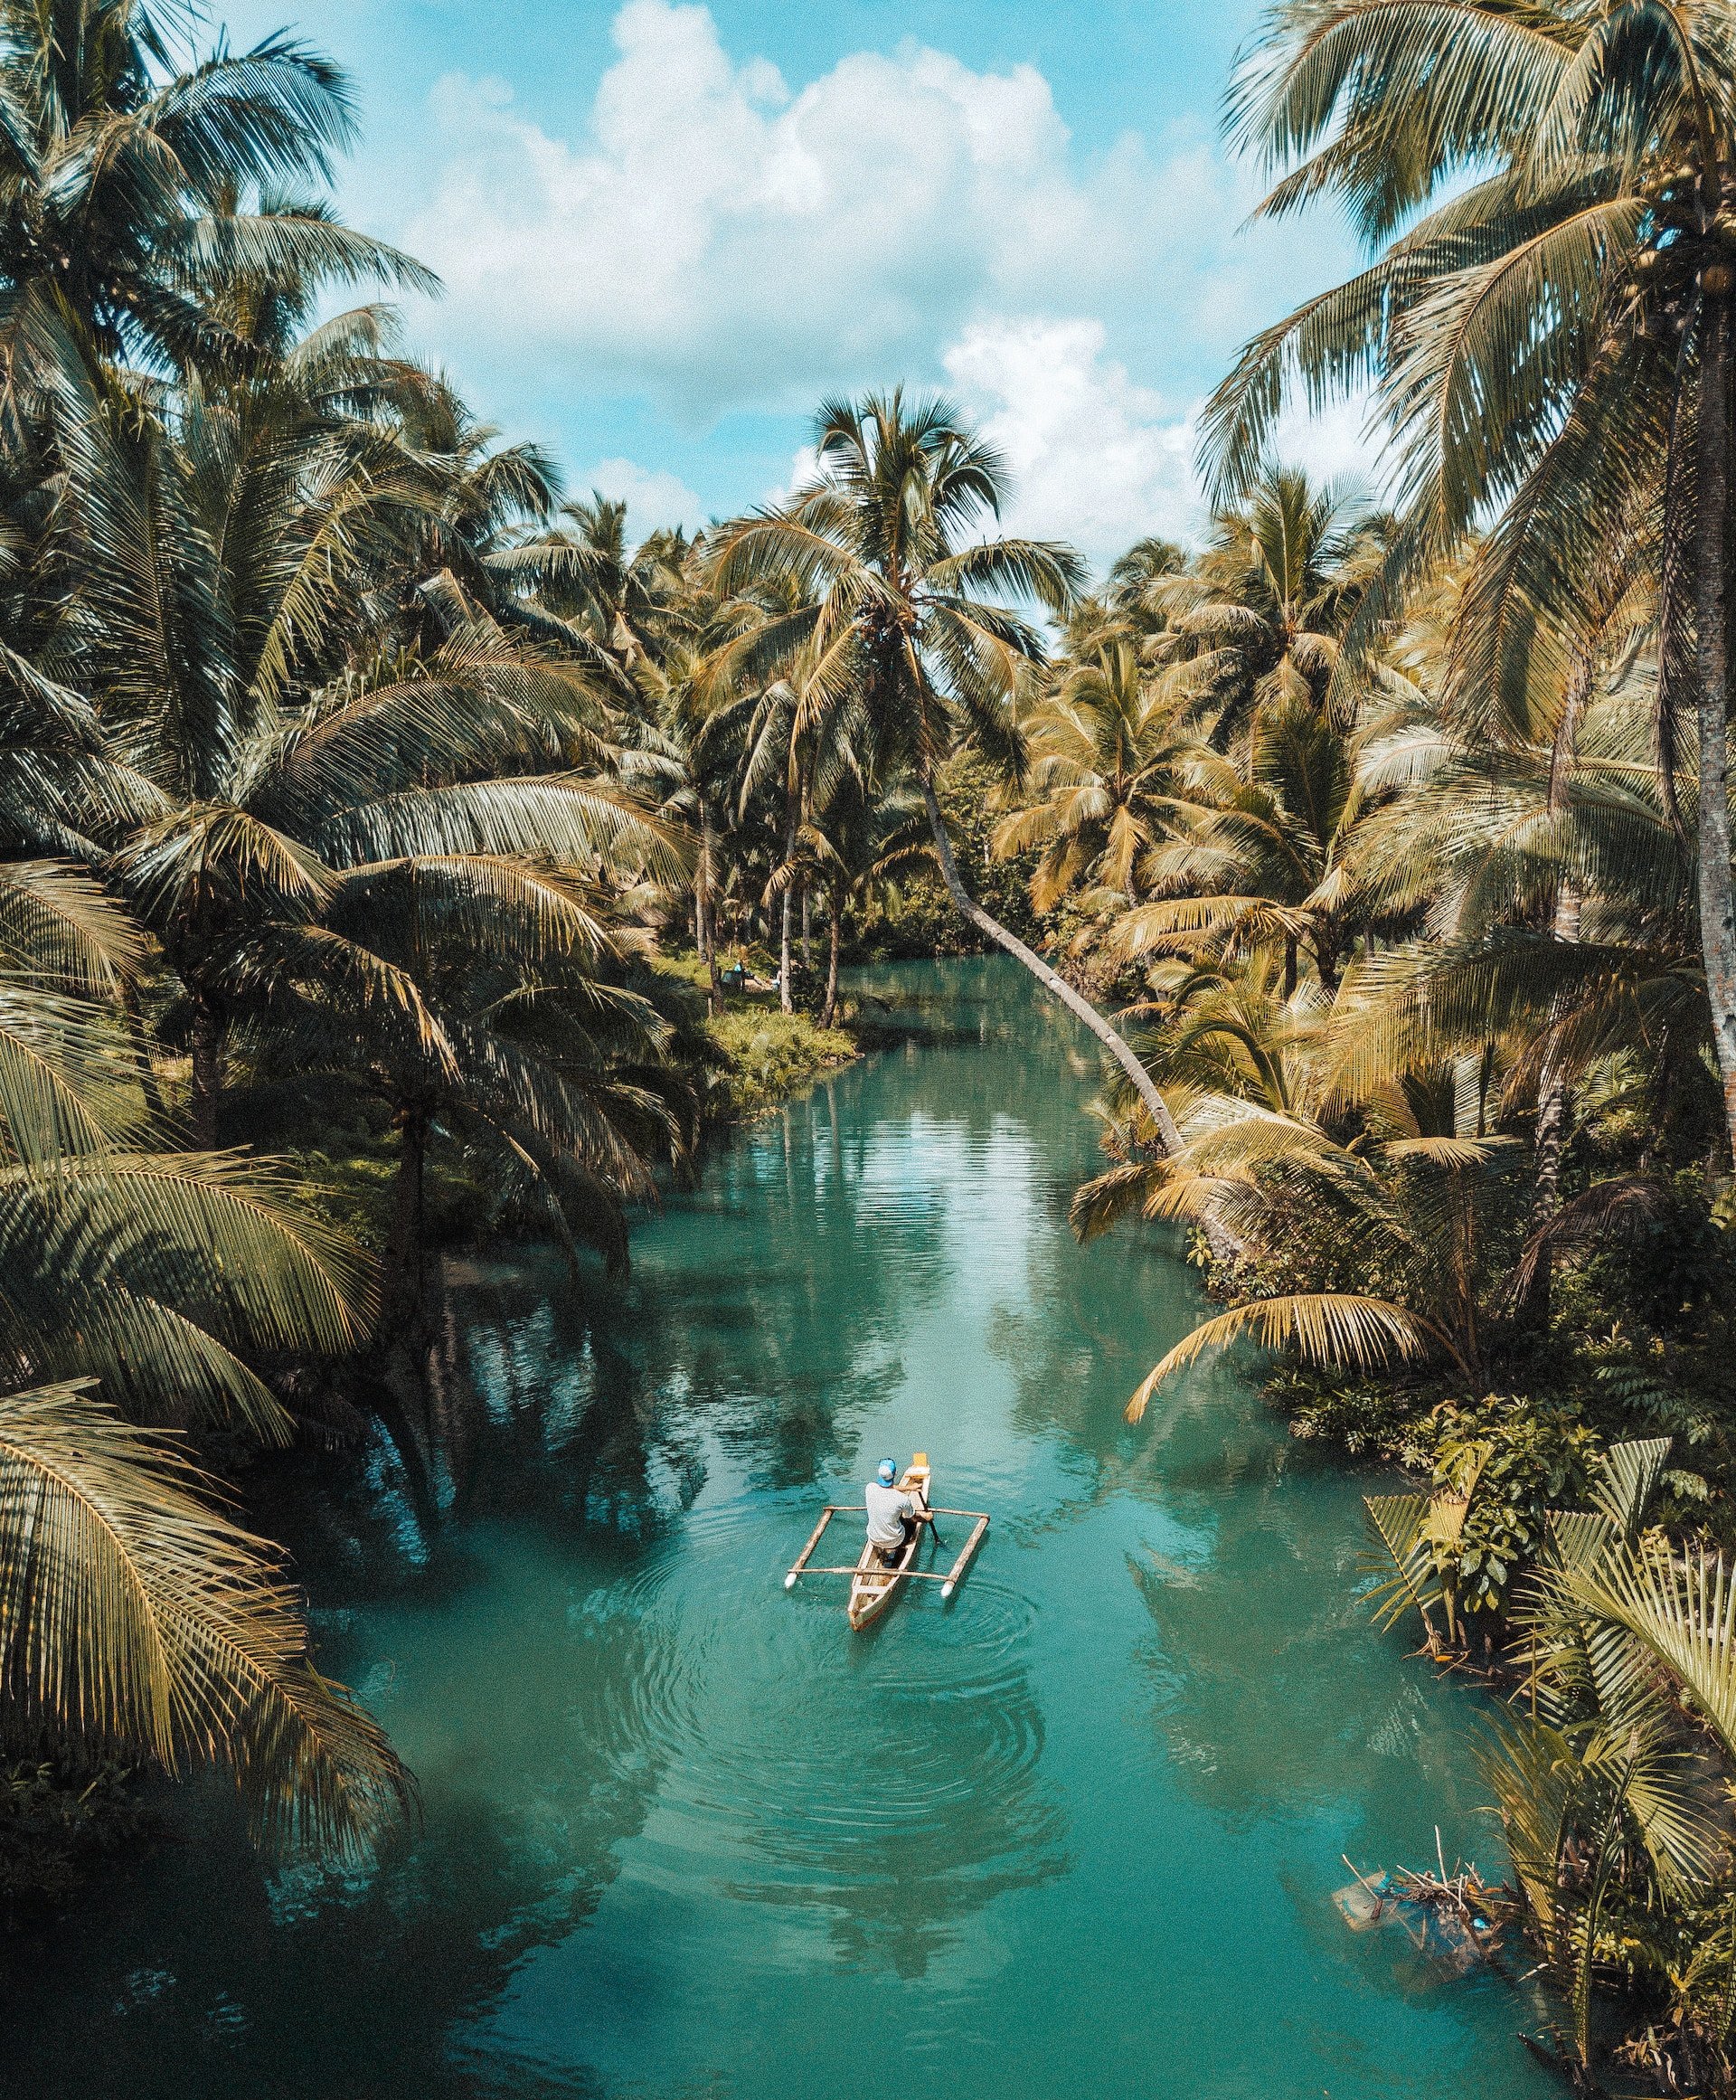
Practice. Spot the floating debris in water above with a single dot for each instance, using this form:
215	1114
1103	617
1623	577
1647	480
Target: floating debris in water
1453	1920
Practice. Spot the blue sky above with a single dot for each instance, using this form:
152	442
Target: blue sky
667	229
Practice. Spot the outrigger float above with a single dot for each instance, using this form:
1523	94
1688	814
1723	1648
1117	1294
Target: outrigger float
873	1583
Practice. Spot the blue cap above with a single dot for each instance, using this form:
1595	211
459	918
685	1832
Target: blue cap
888	1473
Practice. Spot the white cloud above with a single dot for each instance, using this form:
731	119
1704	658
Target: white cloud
719	239
1100	460
653	496
1333	445
1096	458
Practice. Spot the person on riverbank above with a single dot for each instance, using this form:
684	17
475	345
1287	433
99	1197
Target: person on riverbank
892	1514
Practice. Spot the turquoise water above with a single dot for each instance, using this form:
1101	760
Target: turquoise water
688	1838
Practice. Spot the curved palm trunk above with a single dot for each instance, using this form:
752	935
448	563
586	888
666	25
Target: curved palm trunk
207	1074
1711	660
968	908
829	1010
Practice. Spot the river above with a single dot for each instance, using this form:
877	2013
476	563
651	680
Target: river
685	1837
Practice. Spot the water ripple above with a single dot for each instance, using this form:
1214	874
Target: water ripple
923	1733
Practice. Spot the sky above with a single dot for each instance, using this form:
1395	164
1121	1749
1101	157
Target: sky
666	232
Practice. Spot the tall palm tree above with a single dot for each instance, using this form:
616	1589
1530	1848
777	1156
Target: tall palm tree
1412	1203
1254	623
858	841
1102	788
121	179
161	1271
889	615
1550	346
619	598
134	1617
484	996
1266	853
216	605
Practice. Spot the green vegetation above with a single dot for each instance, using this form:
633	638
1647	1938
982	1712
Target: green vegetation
380	834
769	1056
1402	840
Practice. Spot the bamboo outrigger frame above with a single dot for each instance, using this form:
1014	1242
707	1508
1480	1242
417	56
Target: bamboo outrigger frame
949	1582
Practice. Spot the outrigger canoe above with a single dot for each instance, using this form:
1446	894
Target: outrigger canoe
873	1583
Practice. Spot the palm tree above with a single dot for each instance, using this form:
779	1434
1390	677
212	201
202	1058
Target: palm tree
858	842
888	616
1102	787
134	1618
1550	346
1254	623
619	599
1614	1803
160	1272
482	995
120	181
138	1621
1413	1201
1134	577
215	618
1269	854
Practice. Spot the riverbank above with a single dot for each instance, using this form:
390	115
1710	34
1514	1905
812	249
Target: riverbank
770	1057
1563	1540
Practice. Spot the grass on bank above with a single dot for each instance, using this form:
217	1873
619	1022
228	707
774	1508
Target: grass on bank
770	1056
765	1055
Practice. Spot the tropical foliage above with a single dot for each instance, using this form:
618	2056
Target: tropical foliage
355	778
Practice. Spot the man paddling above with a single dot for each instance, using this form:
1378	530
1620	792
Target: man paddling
892	1514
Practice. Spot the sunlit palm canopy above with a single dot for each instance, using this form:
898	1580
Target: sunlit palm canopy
880	557
136	1620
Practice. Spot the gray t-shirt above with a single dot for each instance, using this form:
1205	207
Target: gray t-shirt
886	1507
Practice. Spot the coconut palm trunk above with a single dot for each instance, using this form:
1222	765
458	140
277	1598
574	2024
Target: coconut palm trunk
1551	1085
207	1088
705	906
1076	1003
401	1284
139	1036
1711	652
835	931
784	997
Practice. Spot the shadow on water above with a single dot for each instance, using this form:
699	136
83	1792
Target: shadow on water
685	1837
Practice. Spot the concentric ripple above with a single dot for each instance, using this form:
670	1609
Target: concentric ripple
798	1764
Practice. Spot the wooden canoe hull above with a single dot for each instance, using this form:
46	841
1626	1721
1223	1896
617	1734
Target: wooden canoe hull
874	1585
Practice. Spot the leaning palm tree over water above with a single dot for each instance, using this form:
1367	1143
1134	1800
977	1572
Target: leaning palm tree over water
1550	346
138	1620
880	553
135	1618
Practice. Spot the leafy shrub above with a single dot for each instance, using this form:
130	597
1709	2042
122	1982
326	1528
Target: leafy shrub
1514	1462
770	1054
54	1813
